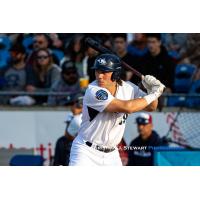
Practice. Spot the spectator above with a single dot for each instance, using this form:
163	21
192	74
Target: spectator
120	46
12	36
88	62
73	122
65	37
73	50
56	42
176	44
108	43
141	148
193	52
15	74
138	47
157	62
68	82
40	41
43	74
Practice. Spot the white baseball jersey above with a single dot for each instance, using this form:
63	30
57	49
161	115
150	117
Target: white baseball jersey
73	123
101	127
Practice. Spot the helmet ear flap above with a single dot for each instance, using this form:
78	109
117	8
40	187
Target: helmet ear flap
115	76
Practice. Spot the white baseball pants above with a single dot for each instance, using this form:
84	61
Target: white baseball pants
83	155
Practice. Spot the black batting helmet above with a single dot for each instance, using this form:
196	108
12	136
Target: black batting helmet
109	63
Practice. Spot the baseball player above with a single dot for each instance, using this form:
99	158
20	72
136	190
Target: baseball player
107	102
73	122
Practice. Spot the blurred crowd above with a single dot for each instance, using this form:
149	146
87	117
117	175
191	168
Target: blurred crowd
56	62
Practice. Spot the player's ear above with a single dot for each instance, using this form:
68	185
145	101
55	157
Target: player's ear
151	126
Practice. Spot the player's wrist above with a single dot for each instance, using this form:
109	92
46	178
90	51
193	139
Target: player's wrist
150	98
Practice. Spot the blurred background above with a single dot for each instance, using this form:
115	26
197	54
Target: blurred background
40	74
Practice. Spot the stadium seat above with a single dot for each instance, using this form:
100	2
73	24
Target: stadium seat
28	43
195	89
2	81
183	77
174	54
4	43
26	160
4	58
58	54
175	101
136	51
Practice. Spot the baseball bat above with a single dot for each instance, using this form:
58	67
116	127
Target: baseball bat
100	48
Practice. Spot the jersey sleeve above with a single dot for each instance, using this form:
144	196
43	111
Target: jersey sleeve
97	98
74	125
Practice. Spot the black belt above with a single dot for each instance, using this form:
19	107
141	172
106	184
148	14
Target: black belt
103	149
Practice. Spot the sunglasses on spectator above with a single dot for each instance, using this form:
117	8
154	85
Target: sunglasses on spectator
42	57
38	42
70	72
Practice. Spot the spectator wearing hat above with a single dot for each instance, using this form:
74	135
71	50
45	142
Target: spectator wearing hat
68	82
15	73
73	122
140	152
42	75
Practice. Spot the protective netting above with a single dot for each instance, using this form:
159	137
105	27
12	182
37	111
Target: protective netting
185	128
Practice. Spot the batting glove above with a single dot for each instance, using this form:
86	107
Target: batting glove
154	88
158	90
154	93
149	82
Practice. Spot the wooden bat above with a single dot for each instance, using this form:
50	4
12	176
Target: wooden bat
100	48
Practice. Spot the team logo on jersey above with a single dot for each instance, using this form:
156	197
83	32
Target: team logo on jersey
101	95
101	61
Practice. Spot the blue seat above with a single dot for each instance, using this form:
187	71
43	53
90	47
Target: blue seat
4	58
2	81
174	54
136	51
27	160
28	43
175	101
194	102
58	54
4	43
183	77
195	88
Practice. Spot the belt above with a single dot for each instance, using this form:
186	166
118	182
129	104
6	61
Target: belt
99	148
